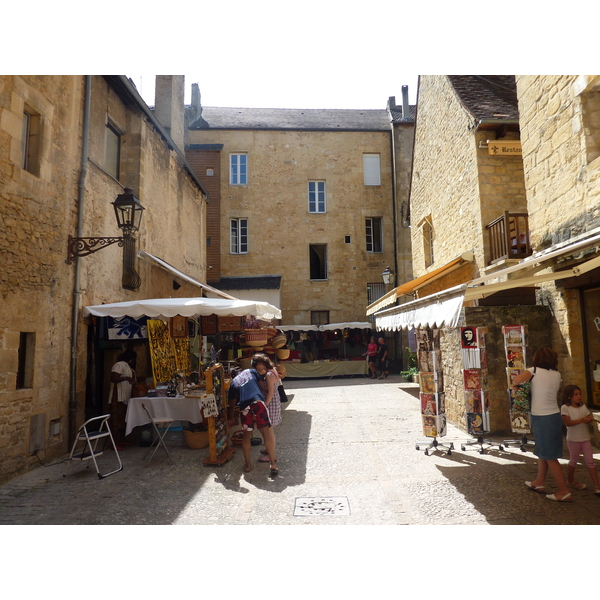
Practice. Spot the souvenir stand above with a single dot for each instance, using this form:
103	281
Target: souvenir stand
174	325
514	348
326	350
475	385
431	390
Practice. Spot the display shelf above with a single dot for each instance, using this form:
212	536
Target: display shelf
220	448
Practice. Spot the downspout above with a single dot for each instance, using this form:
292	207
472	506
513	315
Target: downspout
77	278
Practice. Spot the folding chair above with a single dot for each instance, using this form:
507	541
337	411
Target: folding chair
90	437
160	438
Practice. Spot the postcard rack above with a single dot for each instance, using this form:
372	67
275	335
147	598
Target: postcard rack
219	443
433	445
482	443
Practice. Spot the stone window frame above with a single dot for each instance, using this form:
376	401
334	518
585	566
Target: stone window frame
317	255
113	169
428	233
371	169
238	241
25	360
587	87
317	198
235	175
319	317
372	245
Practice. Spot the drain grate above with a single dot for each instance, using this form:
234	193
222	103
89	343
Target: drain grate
337	505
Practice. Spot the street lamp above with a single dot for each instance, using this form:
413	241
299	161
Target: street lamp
387	276
128	212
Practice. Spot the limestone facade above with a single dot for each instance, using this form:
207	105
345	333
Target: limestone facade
39	210
285	150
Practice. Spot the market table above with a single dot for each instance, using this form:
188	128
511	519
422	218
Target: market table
325	369
180	408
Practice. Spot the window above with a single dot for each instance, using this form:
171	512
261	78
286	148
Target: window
25	360
428	237
319	317
239	236
347	239
238	169
112	151
371	169
318	261
374	234
375	290
316	196
30	141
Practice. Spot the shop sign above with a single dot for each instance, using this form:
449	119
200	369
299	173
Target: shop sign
500	148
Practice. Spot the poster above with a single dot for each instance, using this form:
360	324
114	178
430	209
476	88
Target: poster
431	383
468	337
472	379
475	423
515	357
514	335
430	426
126	328
473	401
429	361
514	347
428	404
519	421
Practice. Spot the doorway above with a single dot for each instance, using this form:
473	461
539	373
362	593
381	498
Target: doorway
590	299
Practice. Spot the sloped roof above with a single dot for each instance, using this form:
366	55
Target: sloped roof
257	282
487	96
320	119
398	117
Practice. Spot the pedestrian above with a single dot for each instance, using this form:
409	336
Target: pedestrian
546	421
122	378
371	353
247	389
382	358
576	416
272	400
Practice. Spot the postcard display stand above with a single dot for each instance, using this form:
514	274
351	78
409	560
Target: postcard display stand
514	346
215	410
431	388
475	380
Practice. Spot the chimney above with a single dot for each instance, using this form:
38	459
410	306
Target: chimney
196	104
405	107
391	103
169	105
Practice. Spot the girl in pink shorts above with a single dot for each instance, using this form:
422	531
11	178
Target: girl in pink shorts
576	416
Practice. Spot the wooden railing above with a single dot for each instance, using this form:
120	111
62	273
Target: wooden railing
509	237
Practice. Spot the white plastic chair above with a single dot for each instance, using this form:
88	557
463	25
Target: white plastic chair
158	424
90	436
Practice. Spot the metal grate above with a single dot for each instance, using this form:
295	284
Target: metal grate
337	505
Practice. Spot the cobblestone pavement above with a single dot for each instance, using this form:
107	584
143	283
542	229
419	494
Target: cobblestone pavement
346	455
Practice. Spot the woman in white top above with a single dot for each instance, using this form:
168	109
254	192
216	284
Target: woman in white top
546	422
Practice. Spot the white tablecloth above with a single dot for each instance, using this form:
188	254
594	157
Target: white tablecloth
180	409
325	369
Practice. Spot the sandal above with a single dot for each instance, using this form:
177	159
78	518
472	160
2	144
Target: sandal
265	459
536	488
565	498
274	472
597	490
247	469
576	485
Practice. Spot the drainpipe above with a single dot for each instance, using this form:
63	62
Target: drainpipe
77	280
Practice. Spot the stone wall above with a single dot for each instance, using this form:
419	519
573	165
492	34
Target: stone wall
538	320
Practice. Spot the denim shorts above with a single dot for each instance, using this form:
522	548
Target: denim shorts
547	430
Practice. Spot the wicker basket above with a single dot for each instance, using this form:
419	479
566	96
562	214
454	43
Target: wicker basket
278	341
282	371
196	439
256	337
283	353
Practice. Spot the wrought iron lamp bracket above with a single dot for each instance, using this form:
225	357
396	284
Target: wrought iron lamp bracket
84	246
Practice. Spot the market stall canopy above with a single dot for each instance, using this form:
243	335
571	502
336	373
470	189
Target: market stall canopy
186	307
329	327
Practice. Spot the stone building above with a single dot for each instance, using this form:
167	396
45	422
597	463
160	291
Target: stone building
504	218
303	200
69	146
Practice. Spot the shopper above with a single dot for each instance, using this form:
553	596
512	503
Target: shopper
122	378
382	358
247	389
272	399
371	353
576	416
546	421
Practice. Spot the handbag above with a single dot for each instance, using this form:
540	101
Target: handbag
522	397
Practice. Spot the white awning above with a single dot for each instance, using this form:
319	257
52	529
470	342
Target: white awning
165	265
186	307
413	285
328	327
435	311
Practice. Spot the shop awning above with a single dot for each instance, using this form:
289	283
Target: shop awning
415	284
328	327
181	275
437	310
186	307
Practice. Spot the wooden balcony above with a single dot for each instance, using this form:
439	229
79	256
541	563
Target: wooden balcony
509	237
